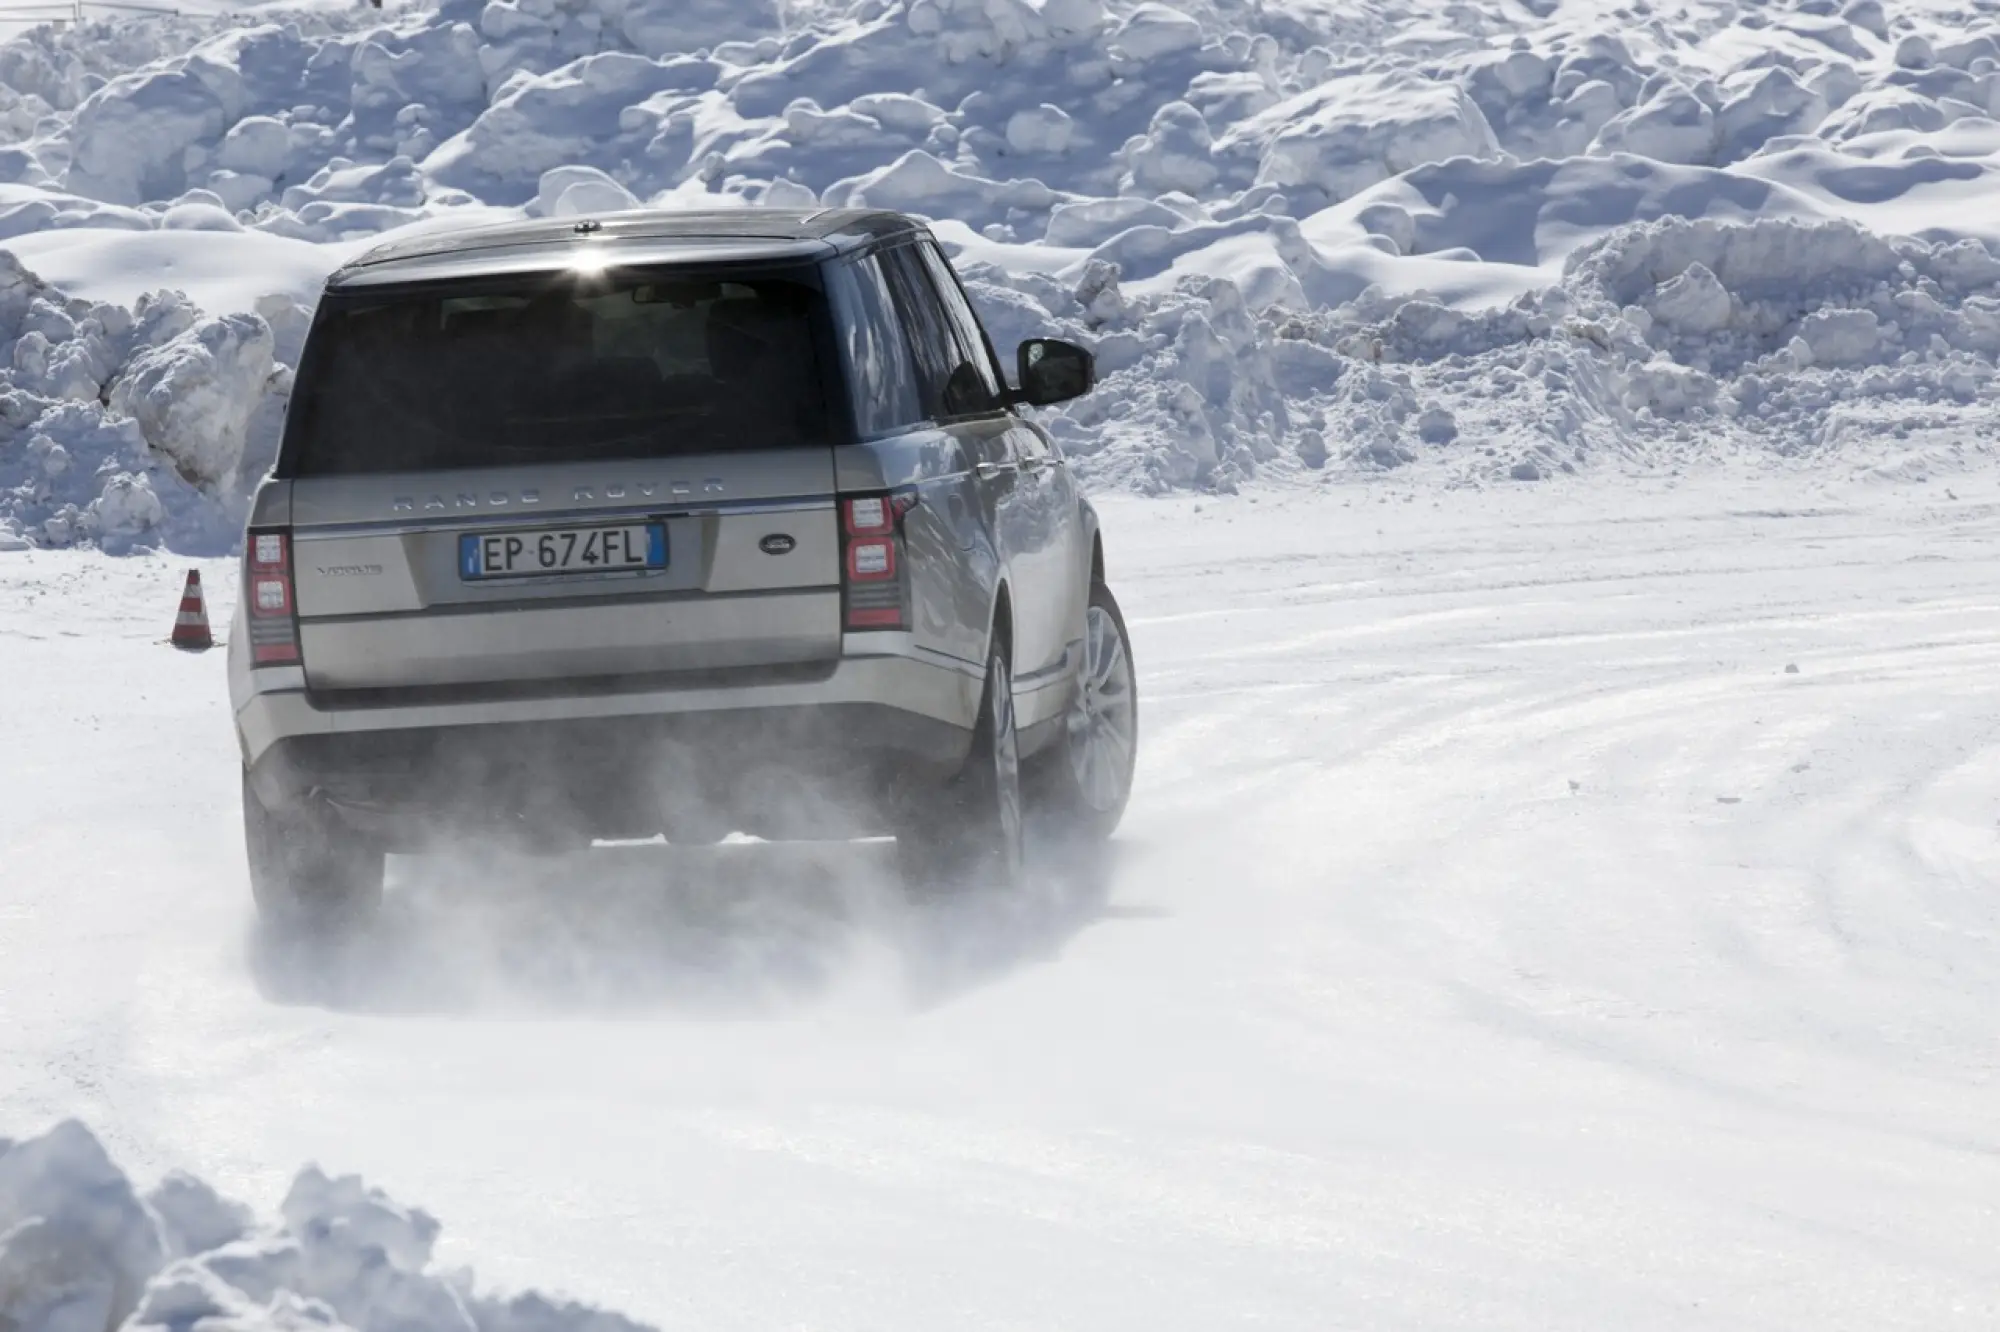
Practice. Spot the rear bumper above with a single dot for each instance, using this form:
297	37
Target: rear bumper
609	761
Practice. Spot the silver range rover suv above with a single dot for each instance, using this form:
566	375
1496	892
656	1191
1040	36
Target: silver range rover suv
670	523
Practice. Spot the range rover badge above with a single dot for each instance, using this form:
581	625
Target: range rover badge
777	544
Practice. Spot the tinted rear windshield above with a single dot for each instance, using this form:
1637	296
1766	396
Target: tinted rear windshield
544	370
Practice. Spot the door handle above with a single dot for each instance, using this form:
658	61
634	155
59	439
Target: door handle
1031	464
988	470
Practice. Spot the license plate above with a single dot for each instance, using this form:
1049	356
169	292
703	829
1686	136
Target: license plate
563	550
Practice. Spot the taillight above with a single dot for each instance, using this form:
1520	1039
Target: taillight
874	588
267	596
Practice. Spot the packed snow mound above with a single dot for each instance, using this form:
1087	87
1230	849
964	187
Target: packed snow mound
1334	141
119	426
1661	342
327	124
1251	210
82	1250
1776	334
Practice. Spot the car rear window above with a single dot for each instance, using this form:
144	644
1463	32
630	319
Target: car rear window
561	369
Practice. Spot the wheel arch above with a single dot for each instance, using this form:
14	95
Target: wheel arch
1000	628
1093	539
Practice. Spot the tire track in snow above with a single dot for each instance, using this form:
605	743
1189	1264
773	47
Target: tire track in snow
1753	924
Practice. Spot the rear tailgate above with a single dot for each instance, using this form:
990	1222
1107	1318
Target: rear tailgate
746	574
584	476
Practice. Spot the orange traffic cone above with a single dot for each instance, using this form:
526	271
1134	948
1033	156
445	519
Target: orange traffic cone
191	625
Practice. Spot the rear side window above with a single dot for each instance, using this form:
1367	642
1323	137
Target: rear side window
949	380
543	370
882	377
972	343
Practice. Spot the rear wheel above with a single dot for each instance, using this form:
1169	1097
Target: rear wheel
306	869
695	827
968	836
1080	785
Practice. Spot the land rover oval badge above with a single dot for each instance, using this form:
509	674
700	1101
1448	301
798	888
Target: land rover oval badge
777	544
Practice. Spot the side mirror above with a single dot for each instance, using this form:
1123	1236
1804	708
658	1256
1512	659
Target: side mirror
1051	371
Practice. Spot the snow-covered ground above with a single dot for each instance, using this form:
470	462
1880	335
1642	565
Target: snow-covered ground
1504	935
1559	889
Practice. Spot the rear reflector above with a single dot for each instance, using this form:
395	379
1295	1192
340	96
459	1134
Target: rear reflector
273	597
871	560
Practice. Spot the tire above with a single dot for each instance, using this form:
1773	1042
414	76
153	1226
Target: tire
697	829
307	871
968	837
1078	788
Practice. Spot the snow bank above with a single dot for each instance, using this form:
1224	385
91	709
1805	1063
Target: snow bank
81	1250
1338	139
118	427
1660	342
1252	210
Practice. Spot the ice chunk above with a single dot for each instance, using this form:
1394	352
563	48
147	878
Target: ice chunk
192	1296
1765	106
577	191
1692	302
194	1218
194	395
257	145
668	27
1672	126
1174	153
1349	134
918	182
1841	337
131	135
1091	222
76	1244
79	1252
1437	425
1040	129
540	122
1153	31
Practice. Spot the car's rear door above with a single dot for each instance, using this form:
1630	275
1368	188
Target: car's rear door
962	393
1041	532
509	481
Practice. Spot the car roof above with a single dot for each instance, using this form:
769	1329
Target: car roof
636	237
